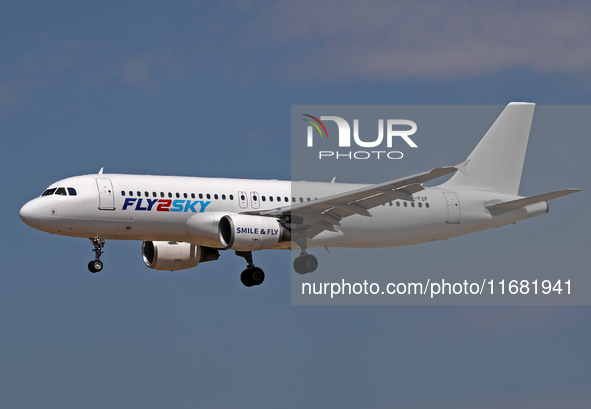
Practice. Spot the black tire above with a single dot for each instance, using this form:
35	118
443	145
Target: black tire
305	264
95	266
310	263
246	278
298	266
257	276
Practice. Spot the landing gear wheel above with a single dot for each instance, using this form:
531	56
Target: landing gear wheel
257	276
245	278
95	266
305	264
252	276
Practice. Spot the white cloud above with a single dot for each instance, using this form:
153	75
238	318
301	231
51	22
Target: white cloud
88	65
388	40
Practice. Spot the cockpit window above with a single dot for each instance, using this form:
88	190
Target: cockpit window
60	191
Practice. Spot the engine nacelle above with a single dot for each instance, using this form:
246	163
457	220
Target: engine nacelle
173	256
203	227
243	232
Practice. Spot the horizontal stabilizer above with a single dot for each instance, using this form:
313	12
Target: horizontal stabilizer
519	203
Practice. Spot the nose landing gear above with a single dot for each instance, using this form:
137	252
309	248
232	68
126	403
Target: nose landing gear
96	265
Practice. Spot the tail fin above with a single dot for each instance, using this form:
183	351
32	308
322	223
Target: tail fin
497	161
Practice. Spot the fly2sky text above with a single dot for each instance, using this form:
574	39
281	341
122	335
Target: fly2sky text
165	205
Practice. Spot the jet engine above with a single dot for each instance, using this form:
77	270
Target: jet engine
243	232
203	228
172	255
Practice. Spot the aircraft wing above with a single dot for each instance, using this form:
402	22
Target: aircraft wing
324	213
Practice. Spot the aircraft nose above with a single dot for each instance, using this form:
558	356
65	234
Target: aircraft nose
29	213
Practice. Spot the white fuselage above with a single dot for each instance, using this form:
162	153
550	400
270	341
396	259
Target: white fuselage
158	208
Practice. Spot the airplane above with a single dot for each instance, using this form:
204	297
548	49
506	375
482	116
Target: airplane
184	221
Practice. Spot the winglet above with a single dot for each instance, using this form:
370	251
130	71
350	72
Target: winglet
101	171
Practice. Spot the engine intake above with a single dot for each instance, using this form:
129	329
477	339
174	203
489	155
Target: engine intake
173	256
248	233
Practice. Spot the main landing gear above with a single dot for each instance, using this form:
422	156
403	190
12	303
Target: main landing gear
252	275
305	263
96	265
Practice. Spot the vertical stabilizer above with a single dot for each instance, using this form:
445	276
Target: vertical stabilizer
497	161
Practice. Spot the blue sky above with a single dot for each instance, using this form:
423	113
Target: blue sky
205	89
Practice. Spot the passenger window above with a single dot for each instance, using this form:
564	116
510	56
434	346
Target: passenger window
178	195
223	197
270	198
301	199
405	204
231	197
420	204
200	195
146	194
397	204
215	196
192	195
154	194
208	196
242	197
139	194
264	198
412	204
293	199
61	191
71	191
169	194
49	192
130	193
286	199
123	193
161	194
427	205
